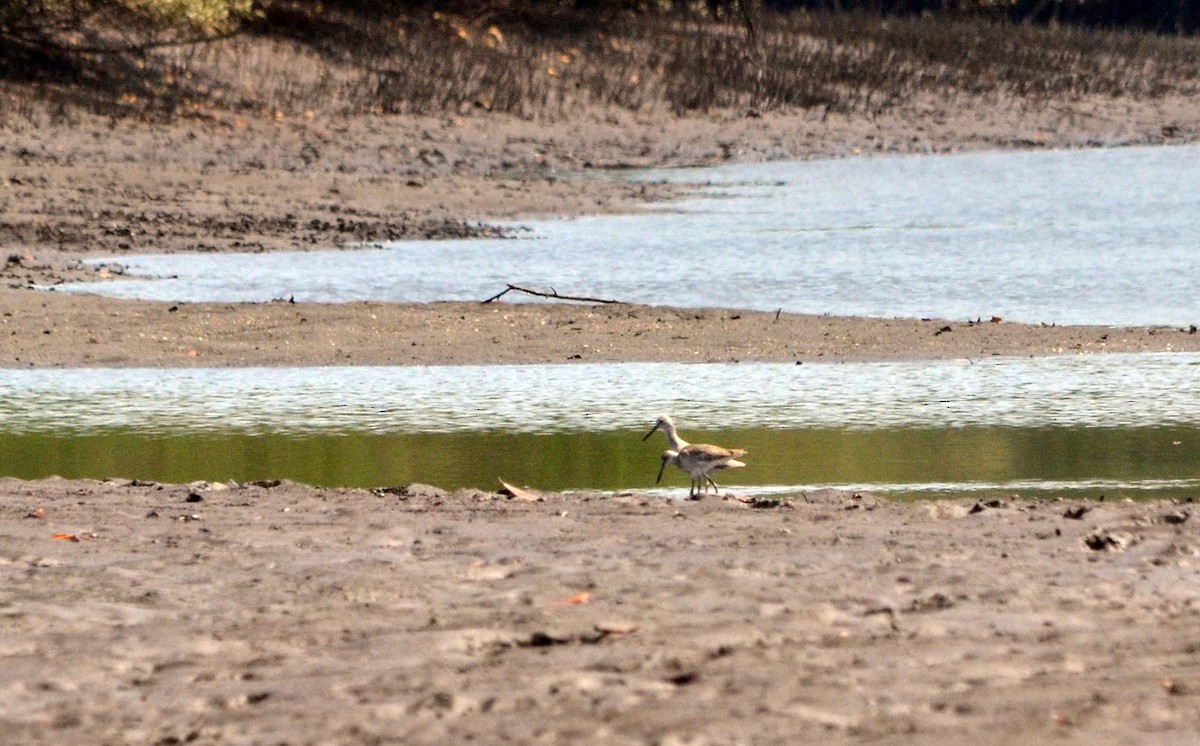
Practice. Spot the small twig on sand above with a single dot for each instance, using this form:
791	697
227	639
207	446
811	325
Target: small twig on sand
552	294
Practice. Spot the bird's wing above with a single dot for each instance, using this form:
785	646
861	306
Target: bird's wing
705	453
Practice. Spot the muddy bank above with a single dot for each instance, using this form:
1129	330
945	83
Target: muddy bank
152	613
68	330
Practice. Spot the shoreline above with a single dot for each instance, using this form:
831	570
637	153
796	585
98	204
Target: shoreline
72	330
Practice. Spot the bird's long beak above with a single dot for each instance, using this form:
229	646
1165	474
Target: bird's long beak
662	467
647	435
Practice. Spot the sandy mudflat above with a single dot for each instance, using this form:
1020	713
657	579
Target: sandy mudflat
73	330
289	614
168	614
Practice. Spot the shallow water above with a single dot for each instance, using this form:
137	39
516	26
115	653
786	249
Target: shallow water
1115	462
1114	424
1091	236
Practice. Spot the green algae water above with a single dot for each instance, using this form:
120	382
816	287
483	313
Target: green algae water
1094	462
1112	425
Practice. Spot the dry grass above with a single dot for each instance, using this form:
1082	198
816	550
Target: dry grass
336	62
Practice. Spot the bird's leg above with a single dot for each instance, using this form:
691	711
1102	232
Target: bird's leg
714	485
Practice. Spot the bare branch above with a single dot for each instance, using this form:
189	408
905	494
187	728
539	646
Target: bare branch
552	294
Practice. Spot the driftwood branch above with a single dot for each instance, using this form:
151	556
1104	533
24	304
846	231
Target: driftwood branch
520	494
552	294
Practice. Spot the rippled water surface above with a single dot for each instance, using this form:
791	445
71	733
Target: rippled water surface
1093	236
1114	424
1072	391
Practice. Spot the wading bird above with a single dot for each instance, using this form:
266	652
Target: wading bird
699	461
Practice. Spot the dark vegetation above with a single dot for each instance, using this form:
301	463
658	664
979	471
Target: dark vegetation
1160	16
287	57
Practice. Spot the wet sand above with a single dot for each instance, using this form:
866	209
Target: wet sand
69	330
149	613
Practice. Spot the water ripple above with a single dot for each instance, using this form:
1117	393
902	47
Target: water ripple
1076	391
